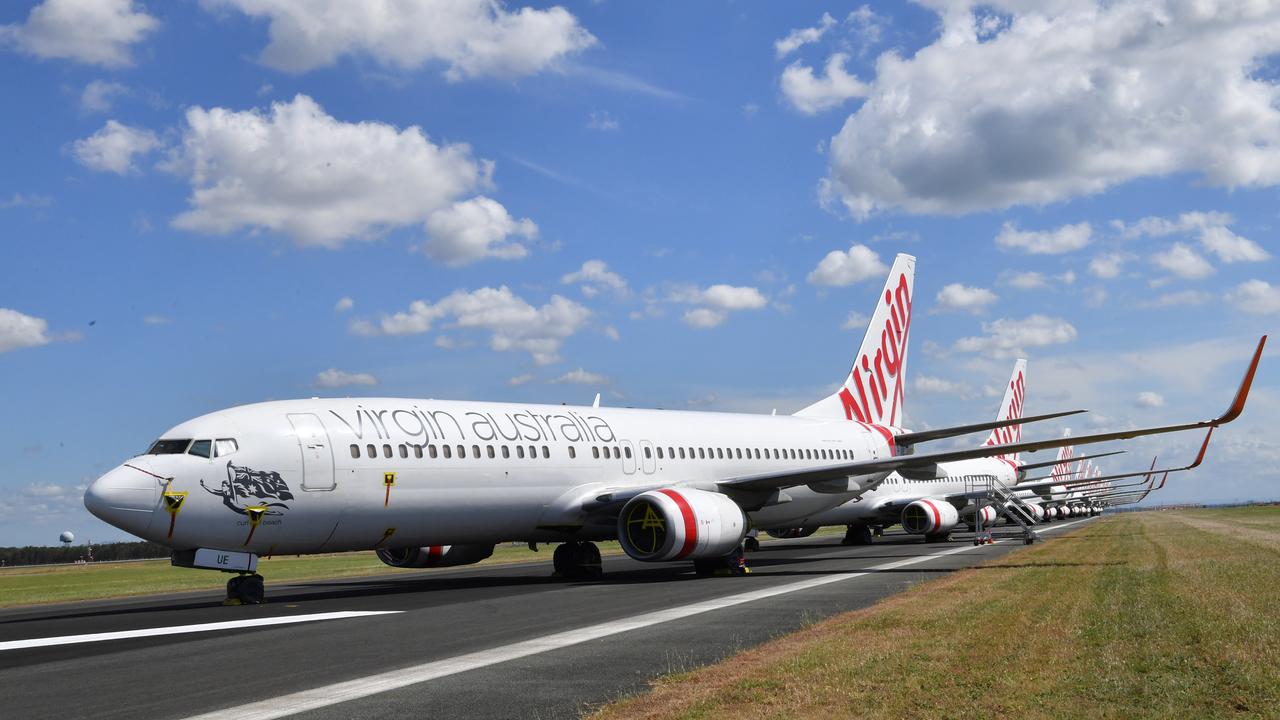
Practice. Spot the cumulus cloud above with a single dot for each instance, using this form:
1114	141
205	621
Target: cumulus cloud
939	386
1057	100
1044	242
811	94
846	268
957	297
1029	280
579	376
472	38
716	302
1011	338
471	230
1107	265
1183	262
95	32
1257	297
511	322
1176	299
41	502
1230	247
519	380
335	378
855	321
344	304
800	37
1149	399
22	331
99	95
594	276
113	148
1210	227
323	182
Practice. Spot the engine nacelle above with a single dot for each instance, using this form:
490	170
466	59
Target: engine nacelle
434	555
680	524
1037	512
987	515
927	517
1051	513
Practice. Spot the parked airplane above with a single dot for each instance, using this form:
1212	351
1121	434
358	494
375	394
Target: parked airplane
430	483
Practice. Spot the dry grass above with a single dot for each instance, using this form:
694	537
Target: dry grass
1150	615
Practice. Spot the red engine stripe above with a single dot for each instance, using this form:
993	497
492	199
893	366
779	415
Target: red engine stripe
690	525
434	553
937	519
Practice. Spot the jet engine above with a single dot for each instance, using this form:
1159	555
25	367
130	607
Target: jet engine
671	524
434	555
1051	513
928	517
1037	511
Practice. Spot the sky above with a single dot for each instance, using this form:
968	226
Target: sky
680	205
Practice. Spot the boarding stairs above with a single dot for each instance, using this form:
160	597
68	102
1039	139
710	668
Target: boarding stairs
989	491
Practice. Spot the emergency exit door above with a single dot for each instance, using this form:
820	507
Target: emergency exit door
317	456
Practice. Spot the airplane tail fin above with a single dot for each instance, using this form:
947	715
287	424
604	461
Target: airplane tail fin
873	391
1011	409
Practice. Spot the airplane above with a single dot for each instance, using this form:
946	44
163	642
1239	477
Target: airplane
439	483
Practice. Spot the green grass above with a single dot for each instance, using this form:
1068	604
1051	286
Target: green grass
1147	615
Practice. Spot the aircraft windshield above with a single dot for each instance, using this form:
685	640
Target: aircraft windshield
169	447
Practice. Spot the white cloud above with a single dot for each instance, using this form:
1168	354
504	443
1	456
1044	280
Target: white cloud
612	333
846	268
1029	280
321	181
1230	247
344	304
475	229
602	120
1210	227
1176	299
812	94
113	148
939	386
703	318
95	32
1107	265
99	95
1044	242
717	302
23	200
961	297
579	376
335	378
1258	297
1062	99
21	331
855	321
800	37
593	276
512	323
1149	399
41	502
1183	262
519	380
1008	338
472	38
156	320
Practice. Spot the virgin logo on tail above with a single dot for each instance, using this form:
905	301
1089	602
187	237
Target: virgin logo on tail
877	377
1012	433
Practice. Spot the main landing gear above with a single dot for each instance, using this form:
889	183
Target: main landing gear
734	563
577	561
857	534
245	589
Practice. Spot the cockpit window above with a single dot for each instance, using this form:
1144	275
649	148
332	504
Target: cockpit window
169	447
203	448
225	446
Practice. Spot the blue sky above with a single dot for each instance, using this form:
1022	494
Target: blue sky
680	205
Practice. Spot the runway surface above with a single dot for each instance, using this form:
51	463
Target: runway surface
487	642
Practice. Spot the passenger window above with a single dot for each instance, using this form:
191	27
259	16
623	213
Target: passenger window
475	451
546	453
433	452
202	448
489	450
595	452
702	454
533	452
506	452
404	451
520	451
647	455
417	451
355	451
627	451
738	453
572	453
224	447
671	452
373	450
447	453
659	452
386	450
462	452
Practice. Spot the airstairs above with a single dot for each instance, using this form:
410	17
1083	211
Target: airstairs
990	492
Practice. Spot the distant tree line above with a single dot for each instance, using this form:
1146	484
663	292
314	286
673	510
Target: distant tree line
106	552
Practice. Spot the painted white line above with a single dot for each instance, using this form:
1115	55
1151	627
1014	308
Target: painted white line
183	629
293	703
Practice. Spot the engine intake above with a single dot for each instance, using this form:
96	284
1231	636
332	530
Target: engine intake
927	517
434	555
670	524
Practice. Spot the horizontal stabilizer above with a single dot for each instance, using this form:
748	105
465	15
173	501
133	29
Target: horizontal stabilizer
927	435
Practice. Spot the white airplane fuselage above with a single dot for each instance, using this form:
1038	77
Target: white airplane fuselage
301	478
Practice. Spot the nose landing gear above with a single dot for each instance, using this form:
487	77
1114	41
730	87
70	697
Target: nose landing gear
245	589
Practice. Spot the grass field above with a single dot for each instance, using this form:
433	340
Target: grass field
1145	615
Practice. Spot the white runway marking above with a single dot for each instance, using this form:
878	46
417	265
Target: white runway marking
183	629
294	703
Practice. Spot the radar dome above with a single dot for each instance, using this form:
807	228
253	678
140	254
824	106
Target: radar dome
66	537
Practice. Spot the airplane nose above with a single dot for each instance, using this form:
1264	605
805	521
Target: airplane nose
124	497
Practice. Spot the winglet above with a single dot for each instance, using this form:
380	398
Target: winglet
596	403
1162	479
1204	446
1237	405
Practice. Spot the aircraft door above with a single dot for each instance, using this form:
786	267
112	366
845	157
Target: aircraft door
628	457
647	461
317	456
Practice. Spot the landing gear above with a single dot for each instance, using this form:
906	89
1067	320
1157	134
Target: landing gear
751	544
245	590
857	534
937	537
734	563
577	561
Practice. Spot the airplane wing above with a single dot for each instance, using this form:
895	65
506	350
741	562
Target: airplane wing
842	472
1051	463
911	438
1065	481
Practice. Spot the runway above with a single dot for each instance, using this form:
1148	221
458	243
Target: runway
486	642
